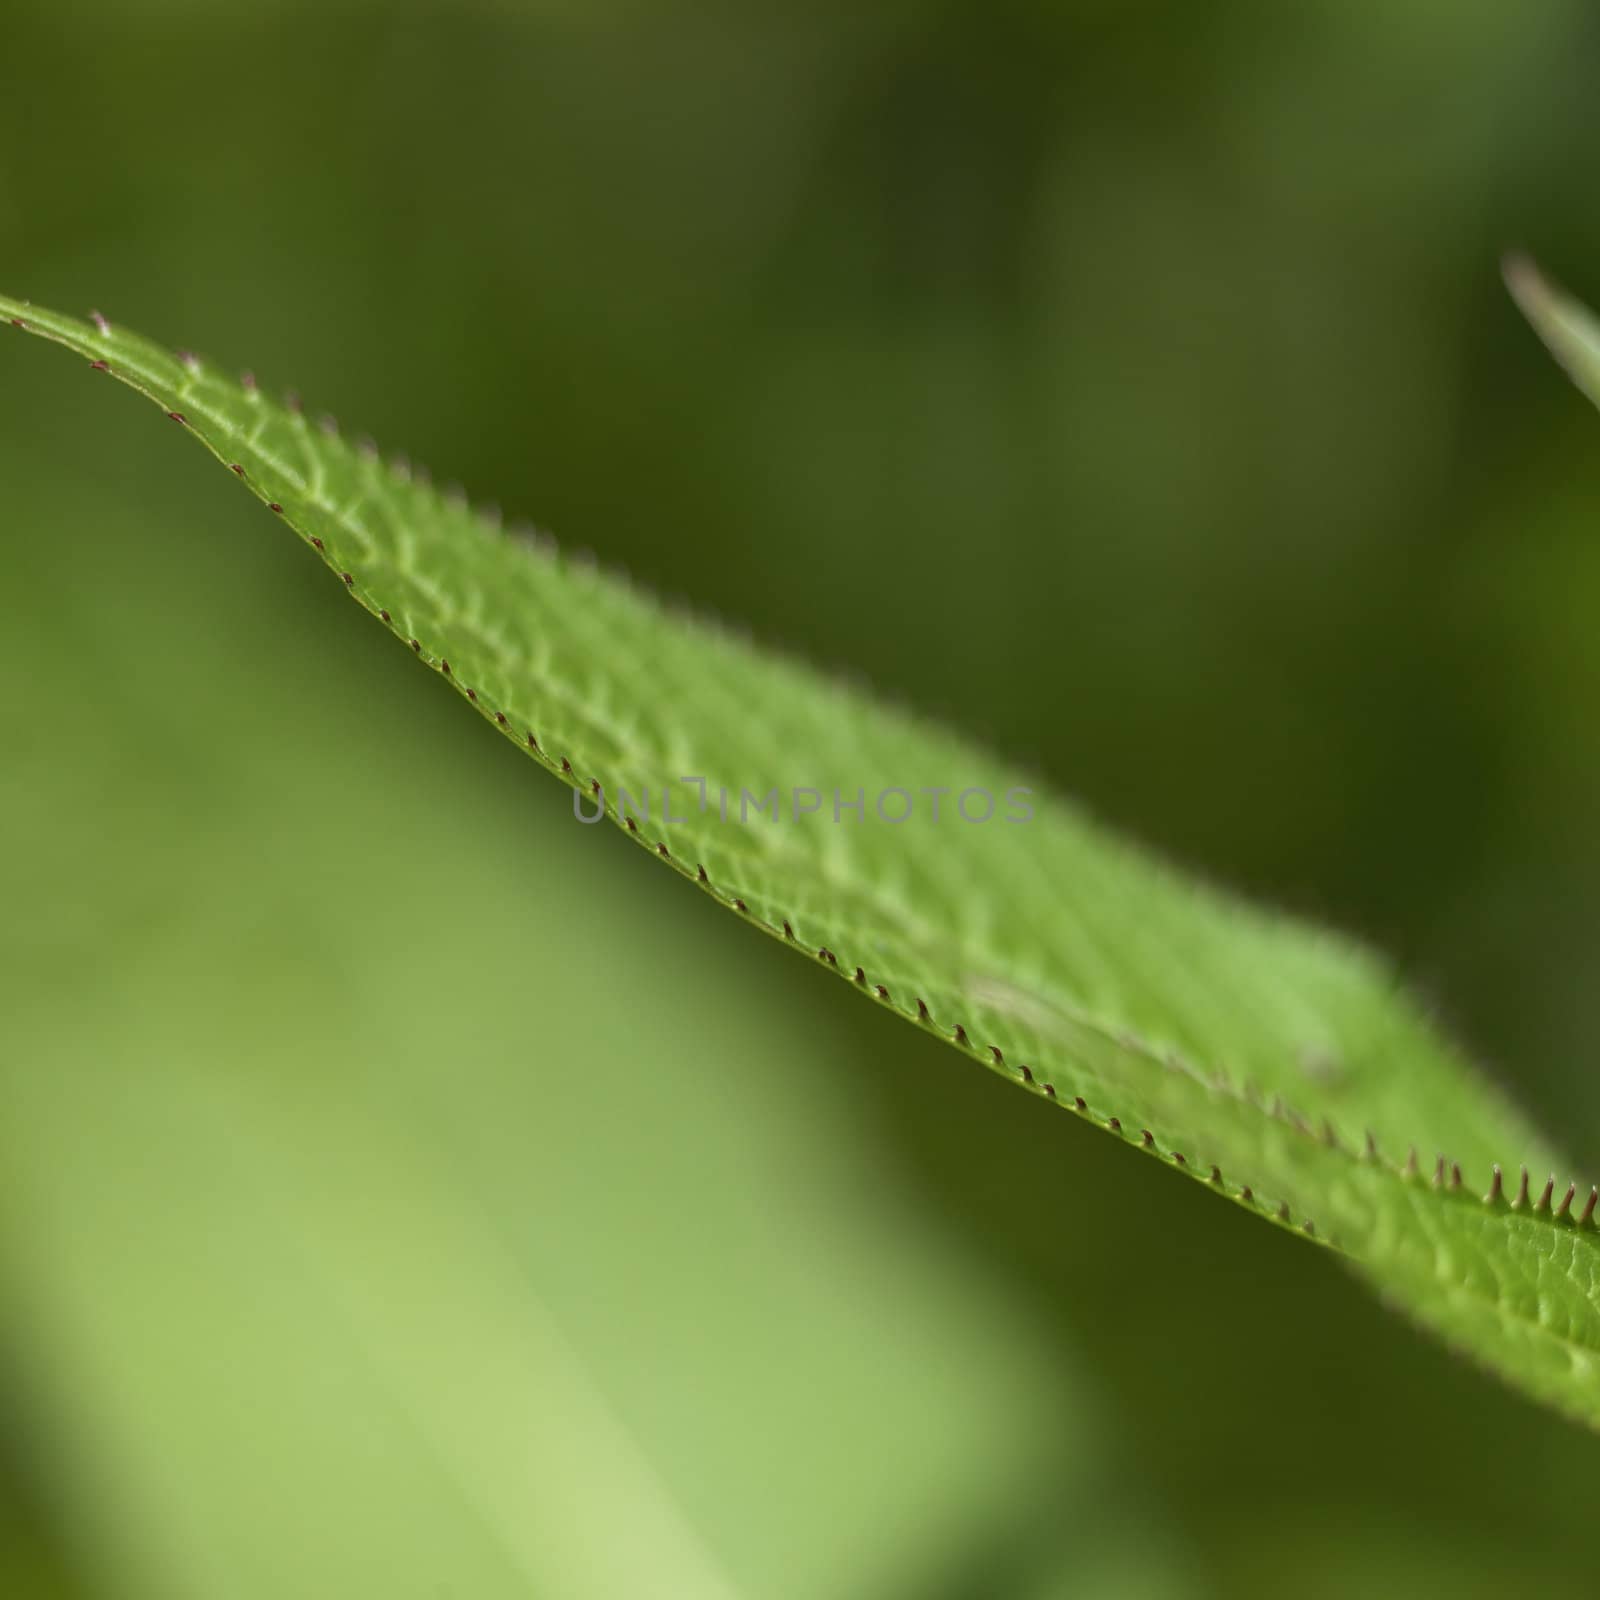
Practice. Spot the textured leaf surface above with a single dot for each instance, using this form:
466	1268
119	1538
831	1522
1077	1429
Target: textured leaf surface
1274	1063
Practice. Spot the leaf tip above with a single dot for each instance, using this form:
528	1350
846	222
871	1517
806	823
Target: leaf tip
1523	278
1566	326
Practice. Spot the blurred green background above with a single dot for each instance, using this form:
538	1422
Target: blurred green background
406	1192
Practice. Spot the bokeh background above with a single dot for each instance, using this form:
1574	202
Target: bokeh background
405	1192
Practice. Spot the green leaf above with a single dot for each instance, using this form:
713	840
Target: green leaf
1276	1064
1566	326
